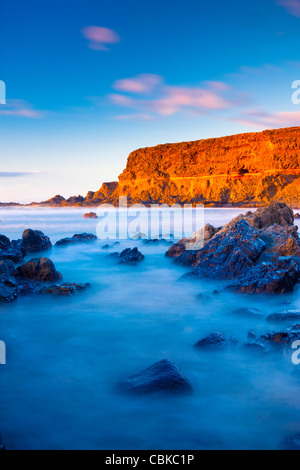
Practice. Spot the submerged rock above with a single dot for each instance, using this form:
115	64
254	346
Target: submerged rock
77	238
131	256
247	312
214	339
8	288
163	376
284	316
38	269
275	339
34	241
65	289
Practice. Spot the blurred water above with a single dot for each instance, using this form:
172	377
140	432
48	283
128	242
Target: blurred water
65	355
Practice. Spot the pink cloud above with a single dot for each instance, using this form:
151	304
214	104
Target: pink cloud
267	120
143	83
99	37
159	98
292	6
20	108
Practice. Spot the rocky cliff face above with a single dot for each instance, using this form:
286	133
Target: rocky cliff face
246	169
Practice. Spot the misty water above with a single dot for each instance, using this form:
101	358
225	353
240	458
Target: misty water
66	355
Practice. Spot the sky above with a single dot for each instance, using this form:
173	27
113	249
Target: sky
89	81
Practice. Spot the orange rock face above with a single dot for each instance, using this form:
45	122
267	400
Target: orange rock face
246	169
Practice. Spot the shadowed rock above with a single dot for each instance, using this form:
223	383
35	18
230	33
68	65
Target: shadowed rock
163	376
77	238
8	288
38	269
11	250
65	289
7	267
35	241
284	316
212	340
129	256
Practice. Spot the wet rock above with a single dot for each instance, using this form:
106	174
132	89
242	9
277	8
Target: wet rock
65	289
7	267
269	278
277	213
38	269
131	256
187	258
284	316
276	339
212	340
163	376
35	241
90	215
8	288
77	238
194	244
11	250
280	241
247	312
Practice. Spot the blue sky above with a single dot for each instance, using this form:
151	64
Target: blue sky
89	81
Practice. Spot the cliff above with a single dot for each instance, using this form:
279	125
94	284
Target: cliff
246	169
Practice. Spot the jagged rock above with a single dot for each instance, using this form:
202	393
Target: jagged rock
284	316
11	250
275	214
35	241
38	269
65	289
7	267
201	238
8	288
187	258
90	215
131	256
77	238
163	376
280	241
212	340
278	277
276	339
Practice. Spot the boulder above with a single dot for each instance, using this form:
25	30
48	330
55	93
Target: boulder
11	250
278	277
8	288
212	340
286	315
7	267
277	213
131	256
65	289
276	339
90	215
163	376
35	241
38	269
77	238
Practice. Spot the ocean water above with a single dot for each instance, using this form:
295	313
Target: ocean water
66	355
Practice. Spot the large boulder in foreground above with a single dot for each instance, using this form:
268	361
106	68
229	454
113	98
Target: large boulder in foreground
34	241
163	376
38	269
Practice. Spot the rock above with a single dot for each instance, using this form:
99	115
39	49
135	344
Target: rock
11	250
8	288
212	340
297	216
280	241
163	376
140	236
199	239
187	258
284	316
65	289
35	241
275	214
38	269
276	339
7	267
90	215
77	238
178	248
268	278
129	256
248	312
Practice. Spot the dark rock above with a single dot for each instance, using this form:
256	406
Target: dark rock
8	288
35	241
269	278
11	250
90	215
250	312
129	256
214	339
163	376
201	238
77	238
284	316
277	339
65	289
187	258
7	267
277	213
38	269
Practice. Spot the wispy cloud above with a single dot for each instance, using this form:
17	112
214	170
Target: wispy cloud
262	119
20	108
100	37
149	95
292	6
16	174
